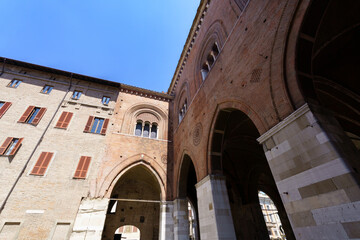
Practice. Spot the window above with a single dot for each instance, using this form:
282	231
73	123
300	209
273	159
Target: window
210	60
42	164
64	120
153	130
146	130
4	106
82	167
76	95
10	146
47	89
138	128
105	100
96	125
32	115
14	83
182	111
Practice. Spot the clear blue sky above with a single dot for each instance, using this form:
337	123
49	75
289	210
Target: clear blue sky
133	42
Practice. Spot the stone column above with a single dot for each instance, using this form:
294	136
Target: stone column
313	173
90	219
166	221
181	219
214	209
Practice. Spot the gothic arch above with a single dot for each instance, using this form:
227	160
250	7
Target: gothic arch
185	156
120	169
216	33
231	104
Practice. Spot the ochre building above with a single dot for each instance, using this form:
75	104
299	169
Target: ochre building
265	99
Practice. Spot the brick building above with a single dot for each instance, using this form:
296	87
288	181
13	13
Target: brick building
265	97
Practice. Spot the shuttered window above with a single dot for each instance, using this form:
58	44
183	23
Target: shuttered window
42	164
4	106
64	120
10	146
82	167
96	125
32	115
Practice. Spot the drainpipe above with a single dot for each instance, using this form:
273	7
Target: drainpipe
3	67
36	146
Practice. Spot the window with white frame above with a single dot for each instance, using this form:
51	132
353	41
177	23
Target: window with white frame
182	110
210	60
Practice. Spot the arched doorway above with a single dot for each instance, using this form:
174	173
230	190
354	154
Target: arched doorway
187	198
135	200
236	154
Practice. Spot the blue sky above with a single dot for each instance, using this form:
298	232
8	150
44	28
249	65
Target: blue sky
133	42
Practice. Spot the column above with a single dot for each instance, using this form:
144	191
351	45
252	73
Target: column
214	209
166	221
181	219
312	162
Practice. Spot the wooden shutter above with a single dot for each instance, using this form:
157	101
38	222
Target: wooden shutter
38	116
88	124
104	127
82	167
16	147
5	145
26	114
64	120
4	108
67	120
42	163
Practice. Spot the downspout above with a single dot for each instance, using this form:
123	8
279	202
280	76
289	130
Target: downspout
3	67
36	146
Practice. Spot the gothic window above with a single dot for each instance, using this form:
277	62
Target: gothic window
182	111
210	60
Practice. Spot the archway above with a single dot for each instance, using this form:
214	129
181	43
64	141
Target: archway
327	64
236	154
187	192
135	200
128	232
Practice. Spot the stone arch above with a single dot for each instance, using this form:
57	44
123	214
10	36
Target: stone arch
235	153
107	185
185	161
231	104
136	197
215	33
130	117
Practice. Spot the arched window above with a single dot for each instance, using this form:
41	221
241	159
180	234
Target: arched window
138	128
146	129
210	60
182	111
153	130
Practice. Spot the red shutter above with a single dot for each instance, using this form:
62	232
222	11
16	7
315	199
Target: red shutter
16	147
38	163
82	167
26	114
79	167
88	124
67	120
104	127
4	108
5	145
42	163
61	120
38	116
